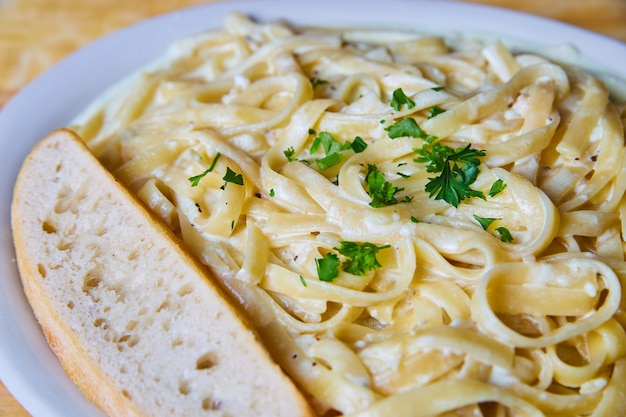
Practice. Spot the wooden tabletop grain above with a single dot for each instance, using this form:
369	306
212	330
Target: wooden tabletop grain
34	34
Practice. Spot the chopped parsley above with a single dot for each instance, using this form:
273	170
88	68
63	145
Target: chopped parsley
272	192
434	111
195	180
359	258
414	220
329	160
317	81
382	191
505	234
302	280
328	142
333	149
438	88
485	222
328	267
457	168
289	154
358	145
399	98
232	176
408	127
497	187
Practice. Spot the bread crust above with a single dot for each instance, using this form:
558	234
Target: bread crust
60	177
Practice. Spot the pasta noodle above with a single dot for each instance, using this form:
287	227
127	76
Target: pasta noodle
300	165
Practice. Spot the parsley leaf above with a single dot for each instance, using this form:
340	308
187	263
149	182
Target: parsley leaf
361	257
289	154
358	145
195	180
329	160
399	98
328	142
327	267
382	191
332	149
485	222
408	127
505	234
497	187
317	81
232	176
453	183
434	111
438	88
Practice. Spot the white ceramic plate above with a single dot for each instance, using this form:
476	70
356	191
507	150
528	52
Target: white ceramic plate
27	366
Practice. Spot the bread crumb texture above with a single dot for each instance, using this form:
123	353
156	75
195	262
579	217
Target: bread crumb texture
160	334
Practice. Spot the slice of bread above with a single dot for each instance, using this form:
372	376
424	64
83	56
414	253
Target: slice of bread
137	323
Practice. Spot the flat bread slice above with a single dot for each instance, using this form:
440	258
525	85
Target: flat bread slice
135	321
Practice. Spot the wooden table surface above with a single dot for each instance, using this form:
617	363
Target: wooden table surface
34	34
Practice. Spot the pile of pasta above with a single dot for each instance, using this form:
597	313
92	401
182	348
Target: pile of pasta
300	165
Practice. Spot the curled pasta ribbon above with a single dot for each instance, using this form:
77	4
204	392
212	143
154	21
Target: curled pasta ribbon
444	396
605	345
484	104
401	363
562	286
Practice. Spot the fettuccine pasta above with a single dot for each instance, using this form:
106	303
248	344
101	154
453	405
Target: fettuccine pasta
414	228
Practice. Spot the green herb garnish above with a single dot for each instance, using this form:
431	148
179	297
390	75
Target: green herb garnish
360	257
497	187
458	170
408	127
317	81
358	145
505	234
327	267
195	180
399	98
329	160
289	154
382	191
333	149
434	111
232	176
485	222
